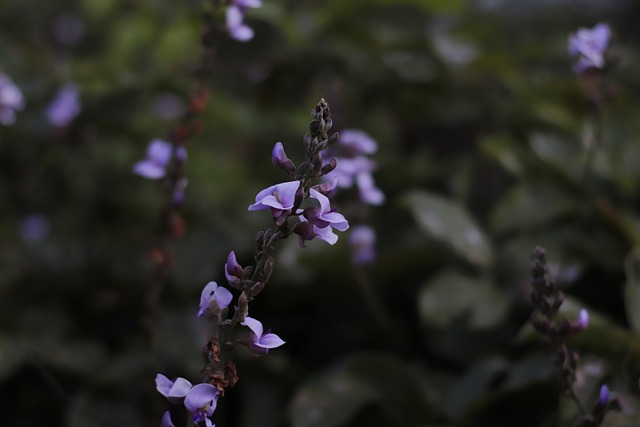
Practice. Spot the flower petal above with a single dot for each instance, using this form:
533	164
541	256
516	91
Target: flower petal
223	297
166	420
200	396
206	297
269	341
149	169
255	325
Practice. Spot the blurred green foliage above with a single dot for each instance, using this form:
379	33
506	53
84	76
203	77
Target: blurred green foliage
482	132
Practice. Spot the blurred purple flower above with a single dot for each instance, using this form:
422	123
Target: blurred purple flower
362	240
159	154
357	142
356	167
235	17
581	323
11	100
214	299
590	45
603	398
261	342
65	106
280	198
201	400
34	227
68	28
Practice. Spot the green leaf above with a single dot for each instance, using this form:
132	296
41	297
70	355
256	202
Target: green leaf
449	223
334	398
452	296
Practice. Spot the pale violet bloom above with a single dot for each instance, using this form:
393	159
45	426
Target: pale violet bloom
11	100
166	420
233	271
214	299
590	45
235	19
261	342
159	154
65	106
603	397
280	198
200	400
362	239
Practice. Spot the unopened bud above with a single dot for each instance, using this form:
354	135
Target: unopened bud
280	159
329	167
243	306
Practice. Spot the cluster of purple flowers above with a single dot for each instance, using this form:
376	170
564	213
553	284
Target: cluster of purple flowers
590	45
159	154
235	19
355	167
11	100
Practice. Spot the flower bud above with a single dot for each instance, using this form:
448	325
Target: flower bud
329	167
280	159
233	271
328	188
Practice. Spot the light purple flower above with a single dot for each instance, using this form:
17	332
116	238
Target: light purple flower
581	323
235	17
322	219
65	106
201	400
603	397
159	154
34	227
11	100
590	45
261	342
281	160
362	240
357	142
214	299
280	198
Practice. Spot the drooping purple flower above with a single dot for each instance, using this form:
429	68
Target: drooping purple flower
323	219
581	323
261	342
590	45
201	400
233	271
65	106
362	240
214	299
11	100
34	227
280	198
159	154
235	17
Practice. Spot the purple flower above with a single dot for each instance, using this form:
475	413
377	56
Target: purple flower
159	154
581	323
322	219
235	16
280	198
34	228
261	342
357	142
214	299
166	420
590	45
356	167
201	400
65	106
233	271
603	398
280	159
11	100
362	239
